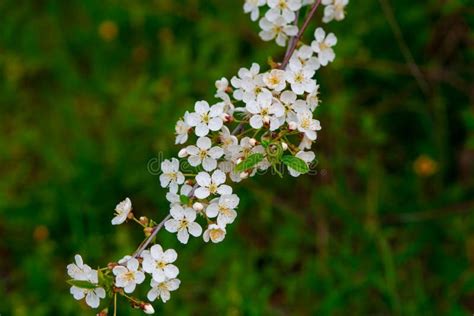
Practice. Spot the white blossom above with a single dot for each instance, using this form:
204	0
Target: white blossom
275	79
92	296
300	79
284	9
252	7
211	184
323	44
265	110
122	210
248	83
162	289
171	175
79	270
334	10
222	84
215	233
128	277
307	125
181	131
227	139
303	58
204	154
278	28
159	263
205	118
224	208
174	197
183	222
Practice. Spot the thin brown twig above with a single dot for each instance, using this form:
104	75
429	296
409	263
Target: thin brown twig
300	34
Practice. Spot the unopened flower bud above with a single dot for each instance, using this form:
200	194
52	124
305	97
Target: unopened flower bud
148	308
244	175
148	231
226	117
284	146
111	265
183	153
198	207
238	161
292	126
252	142
144	220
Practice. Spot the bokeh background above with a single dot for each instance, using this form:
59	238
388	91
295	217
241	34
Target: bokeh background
90	92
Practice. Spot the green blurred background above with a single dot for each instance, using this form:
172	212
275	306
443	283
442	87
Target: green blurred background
90	92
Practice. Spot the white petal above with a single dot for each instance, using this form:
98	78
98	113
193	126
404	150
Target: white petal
202	129
201	107
172	225
195	229
203	179
202	193
204	142
183	235
170	255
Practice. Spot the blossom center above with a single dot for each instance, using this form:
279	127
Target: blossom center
213	188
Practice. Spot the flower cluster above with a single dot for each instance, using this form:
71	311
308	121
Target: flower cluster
261	119
280	19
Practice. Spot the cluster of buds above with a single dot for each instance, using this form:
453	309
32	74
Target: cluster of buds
261	121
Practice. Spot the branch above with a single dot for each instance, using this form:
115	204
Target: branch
300	34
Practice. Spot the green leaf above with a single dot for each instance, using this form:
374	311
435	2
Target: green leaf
249	163
82	284
184	199
295	163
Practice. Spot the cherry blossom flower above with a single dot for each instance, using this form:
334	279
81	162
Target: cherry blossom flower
122	210
322	46
307	125
183	222
300	79
171	175
204	154
159	263
265	111
224	209
79	270
303	58
128	277
278	28
174	197
92	296
205	118
275	79
283	8
182	130
211	184
334	10
215	233
162	289
252	7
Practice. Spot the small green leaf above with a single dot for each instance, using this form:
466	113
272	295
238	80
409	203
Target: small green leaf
265	143
249	163
82	284
184	199
295	163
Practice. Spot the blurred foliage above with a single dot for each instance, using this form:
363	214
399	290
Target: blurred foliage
90	92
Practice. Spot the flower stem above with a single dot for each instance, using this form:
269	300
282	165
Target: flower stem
299	35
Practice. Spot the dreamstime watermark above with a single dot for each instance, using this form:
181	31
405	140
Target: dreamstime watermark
154	167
